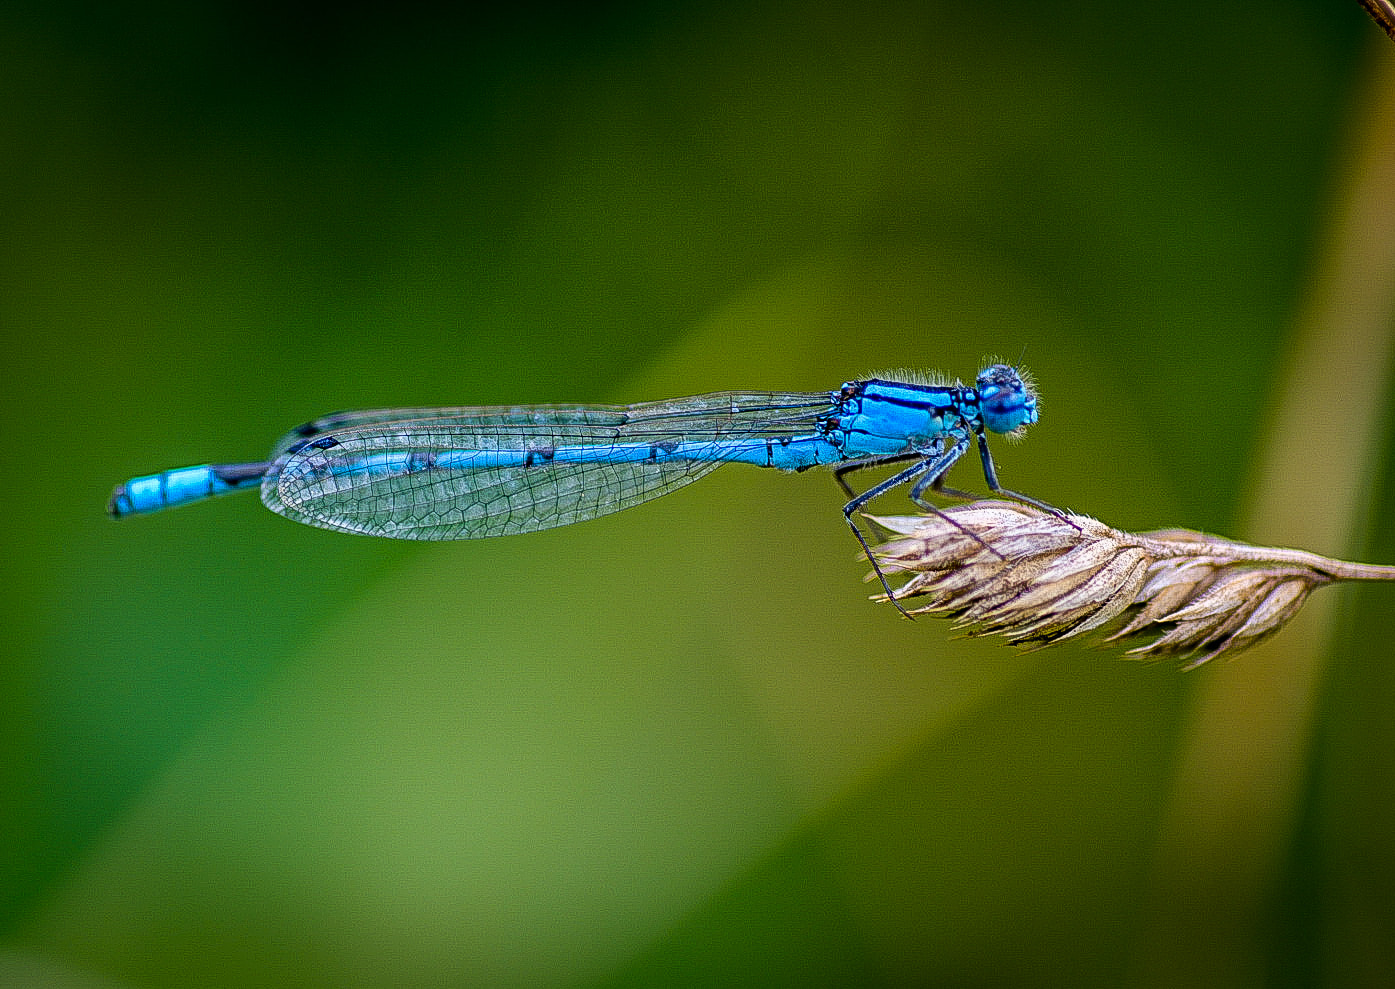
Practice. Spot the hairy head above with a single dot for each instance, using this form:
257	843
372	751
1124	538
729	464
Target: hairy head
1007	401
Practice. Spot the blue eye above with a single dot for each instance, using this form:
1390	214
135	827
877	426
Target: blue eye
1006	403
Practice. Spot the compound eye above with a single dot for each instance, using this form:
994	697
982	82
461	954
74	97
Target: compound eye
1006	408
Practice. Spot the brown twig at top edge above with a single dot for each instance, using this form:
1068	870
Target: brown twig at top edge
1002	568
1383	13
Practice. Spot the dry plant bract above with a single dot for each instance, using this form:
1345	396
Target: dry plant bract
1002	568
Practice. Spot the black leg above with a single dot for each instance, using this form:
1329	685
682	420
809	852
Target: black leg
932	469
990	474
932	480
862	499
853	466
939	488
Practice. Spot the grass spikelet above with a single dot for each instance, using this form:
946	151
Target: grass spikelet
1002	568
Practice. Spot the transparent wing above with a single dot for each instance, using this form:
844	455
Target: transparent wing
475	472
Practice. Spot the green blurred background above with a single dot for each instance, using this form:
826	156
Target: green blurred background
677	745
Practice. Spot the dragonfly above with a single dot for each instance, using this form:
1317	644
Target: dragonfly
475	472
